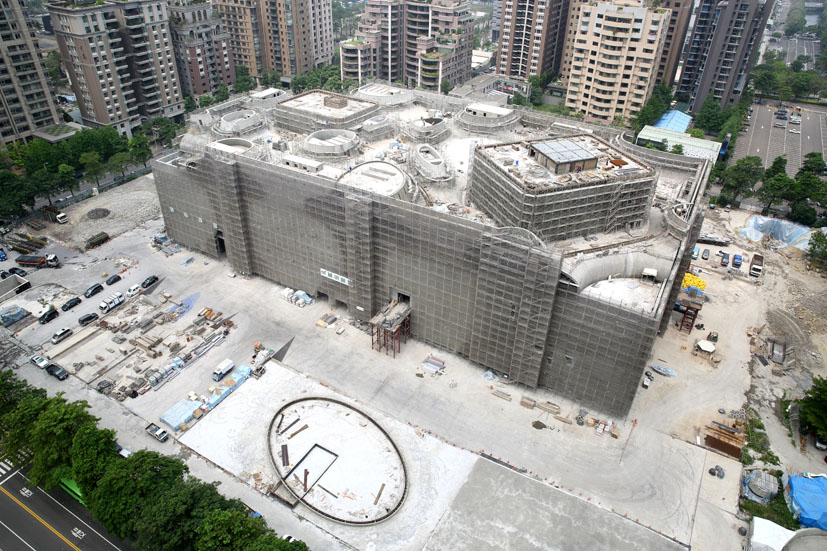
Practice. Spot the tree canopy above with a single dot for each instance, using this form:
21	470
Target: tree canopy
243	81
740	178
814	407
657	105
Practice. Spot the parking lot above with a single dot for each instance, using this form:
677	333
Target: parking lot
768	137
794	47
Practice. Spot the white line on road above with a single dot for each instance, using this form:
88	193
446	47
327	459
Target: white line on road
8	477
18	537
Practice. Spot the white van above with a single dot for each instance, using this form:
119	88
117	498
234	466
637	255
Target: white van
61	335
223	368
111	302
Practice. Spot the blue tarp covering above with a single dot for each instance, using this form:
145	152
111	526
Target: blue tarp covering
674	120
228	385
808	500
11	314
180	413
787	232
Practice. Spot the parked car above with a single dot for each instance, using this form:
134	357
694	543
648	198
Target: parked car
780	125
646	382
48	316
87	319
17	271
71	303
820	444
705	255
134	290
57	372
93	290
113	279
2	254
149	282
4	274
61	335
39	361
795	131
725	260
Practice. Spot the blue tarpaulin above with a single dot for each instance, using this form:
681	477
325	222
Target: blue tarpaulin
787	232
228	385
180	413
808	500
674	120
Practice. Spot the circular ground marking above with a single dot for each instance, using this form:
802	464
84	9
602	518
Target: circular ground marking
97	214
337	461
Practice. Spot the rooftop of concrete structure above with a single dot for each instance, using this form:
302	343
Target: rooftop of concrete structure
517	159
376	177
313	102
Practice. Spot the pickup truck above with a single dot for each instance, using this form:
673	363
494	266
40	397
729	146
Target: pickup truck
157	432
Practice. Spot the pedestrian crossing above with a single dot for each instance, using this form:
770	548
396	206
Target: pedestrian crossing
7	465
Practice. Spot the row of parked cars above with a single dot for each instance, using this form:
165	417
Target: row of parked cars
108	304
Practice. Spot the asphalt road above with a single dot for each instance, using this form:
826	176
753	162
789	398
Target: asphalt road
34	520
768	137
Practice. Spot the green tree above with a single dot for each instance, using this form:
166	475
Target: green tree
15	193
536	97
243	81
205	101
43	183
92	452
697	133
189	104
803	213
797	65
52	63
222	94
52	436
778	166
333	84
66	179
171	521
740	178
817	251
271	542
140	150
446	86
92	166
813	164
128	485
774	188
764	79
118	163
677	149
228	531
710	117
655	107
14	390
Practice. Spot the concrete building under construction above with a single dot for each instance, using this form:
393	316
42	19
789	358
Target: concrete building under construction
552	255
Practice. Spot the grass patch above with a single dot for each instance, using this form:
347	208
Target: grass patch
758	441
776	510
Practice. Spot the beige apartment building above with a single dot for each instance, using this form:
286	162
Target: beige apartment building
288	36
617	49
120	61
419	43
26	102
531	37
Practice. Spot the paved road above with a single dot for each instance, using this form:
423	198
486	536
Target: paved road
34	520
768	137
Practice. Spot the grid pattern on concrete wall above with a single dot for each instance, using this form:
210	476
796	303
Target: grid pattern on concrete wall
569	212
515	294
596	351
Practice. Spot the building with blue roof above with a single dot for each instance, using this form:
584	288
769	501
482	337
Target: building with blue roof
674	120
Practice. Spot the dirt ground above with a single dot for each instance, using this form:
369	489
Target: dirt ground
116	211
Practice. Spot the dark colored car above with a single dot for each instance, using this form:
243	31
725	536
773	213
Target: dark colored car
149	282
87	319
705	256
93	290
48	316
3	254
71	303
18	271
57	372
4	274
113	280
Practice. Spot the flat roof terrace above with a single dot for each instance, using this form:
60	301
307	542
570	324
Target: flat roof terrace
549	165
327	105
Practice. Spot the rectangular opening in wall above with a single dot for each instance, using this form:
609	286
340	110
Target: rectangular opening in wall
219	242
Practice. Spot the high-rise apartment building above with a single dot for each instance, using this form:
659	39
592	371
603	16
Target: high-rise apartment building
288	36
615	58
674	39
202	47
120	61
569	30
25	99
415	42
531	37
723	46
496	21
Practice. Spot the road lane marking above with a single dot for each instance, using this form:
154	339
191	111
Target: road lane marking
43	522
18	537
9	477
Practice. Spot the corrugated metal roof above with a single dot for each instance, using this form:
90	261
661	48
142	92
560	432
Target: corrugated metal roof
563	151
673	138
674	120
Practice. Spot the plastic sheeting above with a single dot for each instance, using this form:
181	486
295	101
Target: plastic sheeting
789	233
808	500
768	536
225	387
11	314
180	413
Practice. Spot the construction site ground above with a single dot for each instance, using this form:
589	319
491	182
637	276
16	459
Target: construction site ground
638	491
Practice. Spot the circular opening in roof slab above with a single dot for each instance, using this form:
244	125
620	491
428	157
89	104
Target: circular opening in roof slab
337	461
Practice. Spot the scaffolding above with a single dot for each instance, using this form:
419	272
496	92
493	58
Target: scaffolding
391	327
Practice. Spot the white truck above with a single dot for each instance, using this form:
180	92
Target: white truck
111	302
756	266
222	369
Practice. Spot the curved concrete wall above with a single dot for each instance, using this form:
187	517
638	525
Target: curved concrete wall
331	142
624	264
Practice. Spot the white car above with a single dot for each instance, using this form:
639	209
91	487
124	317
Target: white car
795	131
134	290
780	125
39	361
